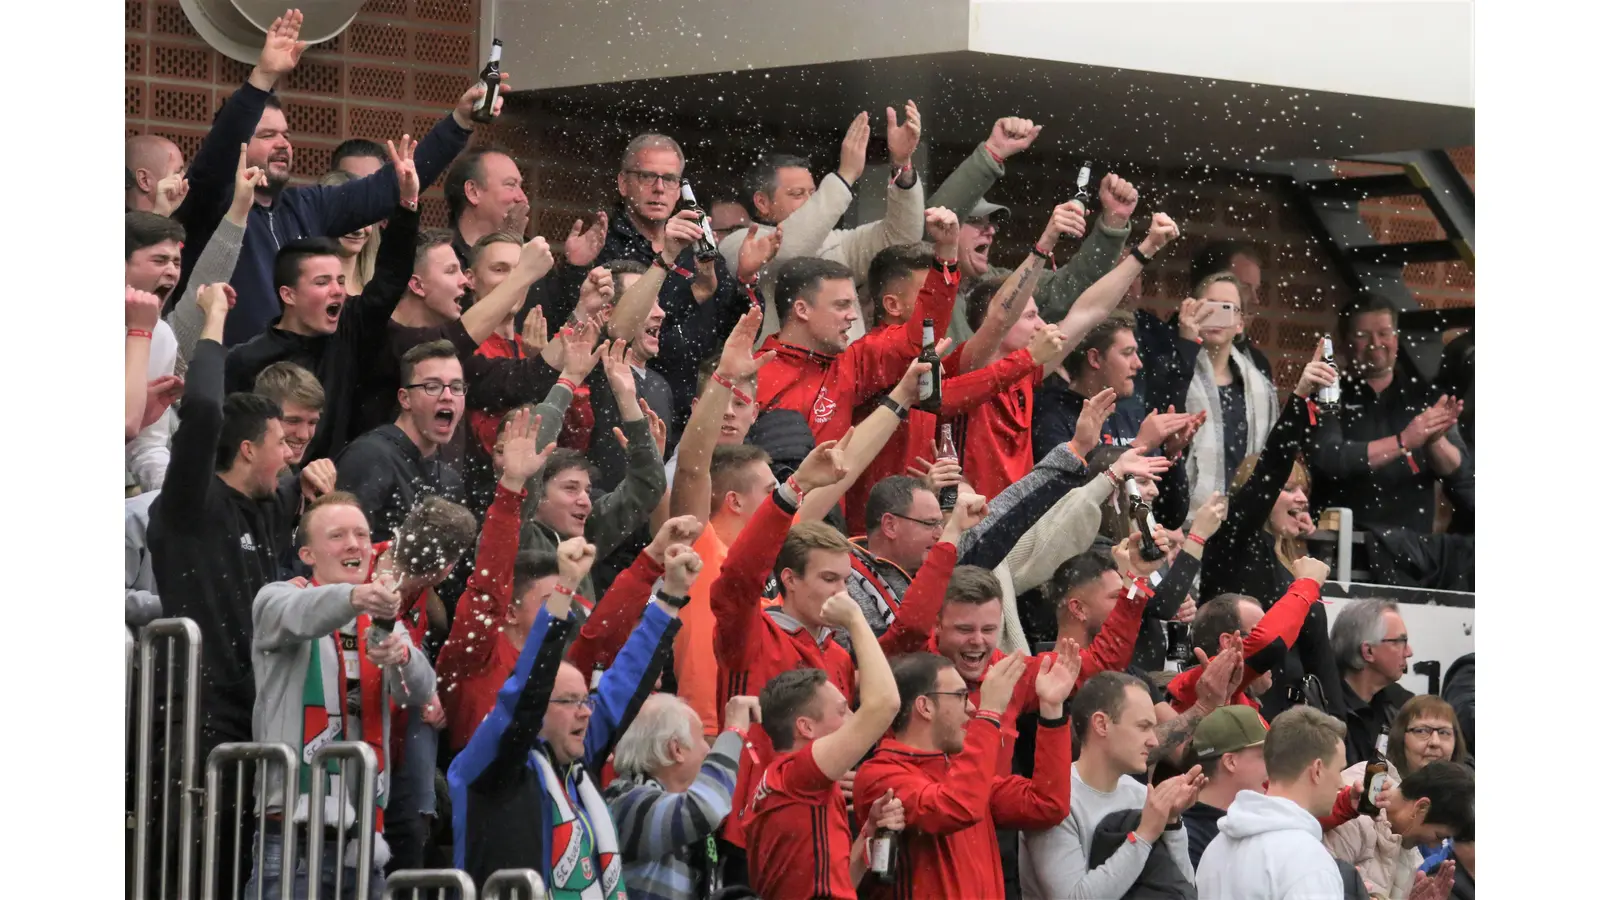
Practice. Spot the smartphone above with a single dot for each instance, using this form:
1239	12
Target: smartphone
1218	314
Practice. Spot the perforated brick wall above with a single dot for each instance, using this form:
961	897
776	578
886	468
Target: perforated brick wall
398	68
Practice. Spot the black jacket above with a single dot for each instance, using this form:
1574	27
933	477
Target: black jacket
388	474
1460	691
1242	558
1200	820
1161	879
212	548
691	331
1366	721
338	359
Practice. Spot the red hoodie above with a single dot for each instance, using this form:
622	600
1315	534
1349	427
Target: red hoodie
1281	623
953	805
828	389
962	394
996	438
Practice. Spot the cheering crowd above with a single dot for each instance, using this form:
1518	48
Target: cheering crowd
729	552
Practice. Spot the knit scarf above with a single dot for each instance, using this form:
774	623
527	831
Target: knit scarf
572	874
325	699
1207	459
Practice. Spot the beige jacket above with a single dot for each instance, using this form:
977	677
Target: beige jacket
1064	531
1387	868
810	231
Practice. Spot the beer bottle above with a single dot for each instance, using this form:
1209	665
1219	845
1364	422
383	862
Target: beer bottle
1328	396
947	450
1082	196
1177	645
930	387
483	107
705	246
882	852
1372	785
1144	521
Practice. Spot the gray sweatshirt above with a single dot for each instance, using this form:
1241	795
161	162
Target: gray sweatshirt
288	622
1054	863
216	263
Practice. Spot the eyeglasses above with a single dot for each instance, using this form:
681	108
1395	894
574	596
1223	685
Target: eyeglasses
961	694
926	523
1402	640
1385	335
587	700
435	388
652	179
1428	731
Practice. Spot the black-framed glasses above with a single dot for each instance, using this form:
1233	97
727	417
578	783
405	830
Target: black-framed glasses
1428	731
435	388
961	694
926	523
1403	640
652	179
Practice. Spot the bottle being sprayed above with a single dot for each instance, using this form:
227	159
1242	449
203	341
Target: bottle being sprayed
1144	521
1081	198
1328	395
947	450
705	246
483	107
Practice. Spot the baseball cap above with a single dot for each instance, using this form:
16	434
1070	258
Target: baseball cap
994	212
1228	730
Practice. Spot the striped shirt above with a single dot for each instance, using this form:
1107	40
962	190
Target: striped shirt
665	837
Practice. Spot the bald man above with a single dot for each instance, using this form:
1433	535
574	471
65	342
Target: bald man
150	158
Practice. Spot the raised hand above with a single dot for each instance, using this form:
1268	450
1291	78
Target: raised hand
905	391
619	374
1318	374
598	289
658	428
535	331
1133	464
1157	427
1189	319
1058	674
1048	346
1000	682
281	51
402	157
1309	567
969	511
1179	440
246	181
1437	886
944	230
317	478
839	611
887	812
521	456
1118	197
943	472
1129	559
585	241
464	106
579	353
903	136
574	558
757	250
1163	231
741	711
1066	218
536	260
515	222
824	465
142	309
1221	677
853	151
679	232
376	599
216	299
1092	418
683	567
1010	136
1209	517
169	194
676	530
737	362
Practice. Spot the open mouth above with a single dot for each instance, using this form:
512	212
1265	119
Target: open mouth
730	431
333	310
444	418
353	562
974	658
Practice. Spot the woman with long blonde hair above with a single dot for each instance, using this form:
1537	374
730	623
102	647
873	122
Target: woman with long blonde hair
1268	521
358	250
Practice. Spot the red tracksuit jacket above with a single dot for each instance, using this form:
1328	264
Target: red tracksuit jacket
954	804
1281	623
827	389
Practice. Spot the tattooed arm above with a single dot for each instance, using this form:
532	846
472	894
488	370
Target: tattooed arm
1215	688
1012	298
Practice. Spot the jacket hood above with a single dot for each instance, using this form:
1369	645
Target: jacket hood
1254	814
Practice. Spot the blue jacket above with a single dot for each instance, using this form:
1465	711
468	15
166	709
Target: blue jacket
297	212
501	814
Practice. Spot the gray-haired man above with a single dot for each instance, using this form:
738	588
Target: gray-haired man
1369	638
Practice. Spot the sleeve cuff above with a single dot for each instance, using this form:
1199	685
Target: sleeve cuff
1054	723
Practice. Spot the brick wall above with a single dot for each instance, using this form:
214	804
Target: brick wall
398	68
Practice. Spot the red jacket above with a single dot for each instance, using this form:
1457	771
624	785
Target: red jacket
827	389
1110	651
485	425
996	438
962	393
954	804
616	615
1281	623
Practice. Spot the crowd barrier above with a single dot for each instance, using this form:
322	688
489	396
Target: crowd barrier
514	884
169	631
263	755
440	884
343	753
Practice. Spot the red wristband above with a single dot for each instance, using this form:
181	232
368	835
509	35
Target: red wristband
570	384
723	380
993	155
1197	539
139	332
793	485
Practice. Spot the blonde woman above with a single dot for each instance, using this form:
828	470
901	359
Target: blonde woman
358	250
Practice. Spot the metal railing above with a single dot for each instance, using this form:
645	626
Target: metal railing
514	884
437	882
170	630
343	752
263	755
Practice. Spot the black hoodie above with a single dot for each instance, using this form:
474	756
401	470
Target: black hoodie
212	548
388	474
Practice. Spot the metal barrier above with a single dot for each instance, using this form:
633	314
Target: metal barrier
439	881
344	752
514	884
263	755
170	629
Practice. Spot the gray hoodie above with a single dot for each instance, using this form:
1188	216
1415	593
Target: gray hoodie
1268	848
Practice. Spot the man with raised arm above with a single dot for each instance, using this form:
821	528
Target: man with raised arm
941	764
254	115
523	791
818	741
781	191
316	657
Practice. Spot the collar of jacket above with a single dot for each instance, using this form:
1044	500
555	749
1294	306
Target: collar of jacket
624	238
792	625
858	549
891	745
797	353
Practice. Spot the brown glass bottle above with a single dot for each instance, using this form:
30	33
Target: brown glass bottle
483	107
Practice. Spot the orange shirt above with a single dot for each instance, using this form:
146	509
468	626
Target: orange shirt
694	657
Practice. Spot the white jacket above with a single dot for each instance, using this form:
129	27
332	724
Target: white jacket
1267	848
1369	844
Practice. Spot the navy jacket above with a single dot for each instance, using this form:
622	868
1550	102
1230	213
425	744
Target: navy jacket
297	212
501	814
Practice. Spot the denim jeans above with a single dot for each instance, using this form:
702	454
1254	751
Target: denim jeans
407	816
269	871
